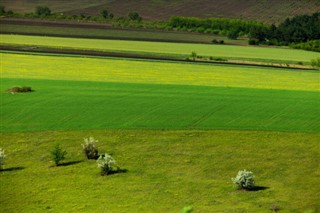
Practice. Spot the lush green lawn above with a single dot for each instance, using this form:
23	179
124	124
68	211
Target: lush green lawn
225	51
166	170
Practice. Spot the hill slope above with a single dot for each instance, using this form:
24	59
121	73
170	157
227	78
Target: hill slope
269	11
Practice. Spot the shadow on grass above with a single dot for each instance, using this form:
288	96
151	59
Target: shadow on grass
70	163
12	169
258	188
118	171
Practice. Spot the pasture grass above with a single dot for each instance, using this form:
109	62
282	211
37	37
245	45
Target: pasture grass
61	105
165	171
144	47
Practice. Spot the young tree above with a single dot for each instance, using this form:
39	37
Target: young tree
316	63
2	10
194	55
104	13
58	154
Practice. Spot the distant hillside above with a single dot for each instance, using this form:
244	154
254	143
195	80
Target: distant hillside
269	11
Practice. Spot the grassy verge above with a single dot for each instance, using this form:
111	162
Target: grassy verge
166	170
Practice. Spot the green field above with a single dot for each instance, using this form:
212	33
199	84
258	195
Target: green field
157	99
280	55
180	131
166	170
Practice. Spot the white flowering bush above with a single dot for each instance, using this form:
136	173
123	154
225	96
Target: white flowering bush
244	180
2	158
89	148
107	164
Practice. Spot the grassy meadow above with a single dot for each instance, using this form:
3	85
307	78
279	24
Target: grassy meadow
280	55
179	131
166	170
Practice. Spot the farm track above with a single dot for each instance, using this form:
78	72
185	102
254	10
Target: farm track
74	52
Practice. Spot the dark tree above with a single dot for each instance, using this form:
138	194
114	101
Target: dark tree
104	14
42	11
134	16
2	10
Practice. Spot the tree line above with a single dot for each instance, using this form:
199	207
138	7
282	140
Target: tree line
298	29
230	27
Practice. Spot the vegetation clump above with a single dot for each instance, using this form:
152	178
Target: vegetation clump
244	180
134	16
315	63
2	158
42	11
20	89
58	154
215	41
107	164
89	148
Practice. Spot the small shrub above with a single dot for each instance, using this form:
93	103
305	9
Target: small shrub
316	63
215	41
2	158
89	148
221	42
187	209
42	11
194	55
107	164
244	180
253	42
20	89
134	16
58	154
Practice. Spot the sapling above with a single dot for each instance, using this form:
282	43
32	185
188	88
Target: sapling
58	154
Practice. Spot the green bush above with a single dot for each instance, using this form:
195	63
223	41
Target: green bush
42	11
58	154
253	41
244	180
2	158
134	16
20	89
187	209
315	63
89	148
107	164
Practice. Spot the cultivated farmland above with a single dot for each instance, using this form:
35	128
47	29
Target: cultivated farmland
276	55
179	130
